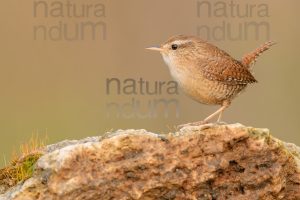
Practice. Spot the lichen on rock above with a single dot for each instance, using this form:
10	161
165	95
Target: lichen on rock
198	162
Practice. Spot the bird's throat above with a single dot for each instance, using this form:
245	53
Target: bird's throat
176	71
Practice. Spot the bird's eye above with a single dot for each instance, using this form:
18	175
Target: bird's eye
174	46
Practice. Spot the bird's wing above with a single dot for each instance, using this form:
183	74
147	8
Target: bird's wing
225	69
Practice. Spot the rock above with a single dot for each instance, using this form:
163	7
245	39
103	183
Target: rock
198	163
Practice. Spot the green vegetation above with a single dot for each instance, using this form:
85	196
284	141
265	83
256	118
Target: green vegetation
22	165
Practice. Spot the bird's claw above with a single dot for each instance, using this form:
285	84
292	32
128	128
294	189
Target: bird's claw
191	124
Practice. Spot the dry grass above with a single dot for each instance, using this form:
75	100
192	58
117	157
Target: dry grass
21	167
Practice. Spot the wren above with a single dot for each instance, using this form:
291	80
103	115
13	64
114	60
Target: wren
206	73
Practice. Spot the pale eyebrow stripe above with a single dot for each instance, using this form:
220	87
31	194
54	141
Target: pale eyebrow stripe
179	42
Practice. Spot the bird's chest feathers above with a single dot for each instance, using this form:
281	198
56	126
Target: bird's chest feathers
177	70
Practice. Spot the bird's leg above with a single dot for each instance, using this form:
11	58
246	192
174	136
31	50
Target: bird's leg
220	116
219	112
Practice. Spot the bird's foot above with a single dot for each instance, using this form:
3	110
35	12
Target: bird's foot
191	124
221	123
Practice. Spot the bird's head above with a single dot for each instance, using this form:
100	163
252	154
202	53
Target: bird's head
181	48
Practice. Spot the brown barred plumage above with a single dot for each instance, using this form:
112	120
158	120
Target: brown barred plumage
249	59
206	73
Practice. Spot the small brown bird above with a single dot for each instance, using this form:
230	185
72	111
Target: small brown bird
206	73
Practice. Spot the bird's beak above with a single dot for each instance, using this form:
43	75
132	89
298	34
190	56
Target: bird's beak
155	49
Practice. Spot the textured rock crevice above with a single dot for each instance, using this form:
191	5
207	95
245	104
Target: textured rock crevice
201	162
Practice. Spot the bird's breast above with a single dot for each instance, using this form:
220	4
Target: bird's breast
195	85
177	70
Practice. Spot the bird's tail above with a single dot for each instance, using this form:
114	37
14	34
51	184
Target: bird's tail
249	59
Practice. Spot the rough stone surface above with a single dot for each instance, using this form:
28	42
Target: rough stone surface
209	162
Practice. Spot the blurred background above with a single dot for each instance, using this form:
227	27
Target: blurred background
57	57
